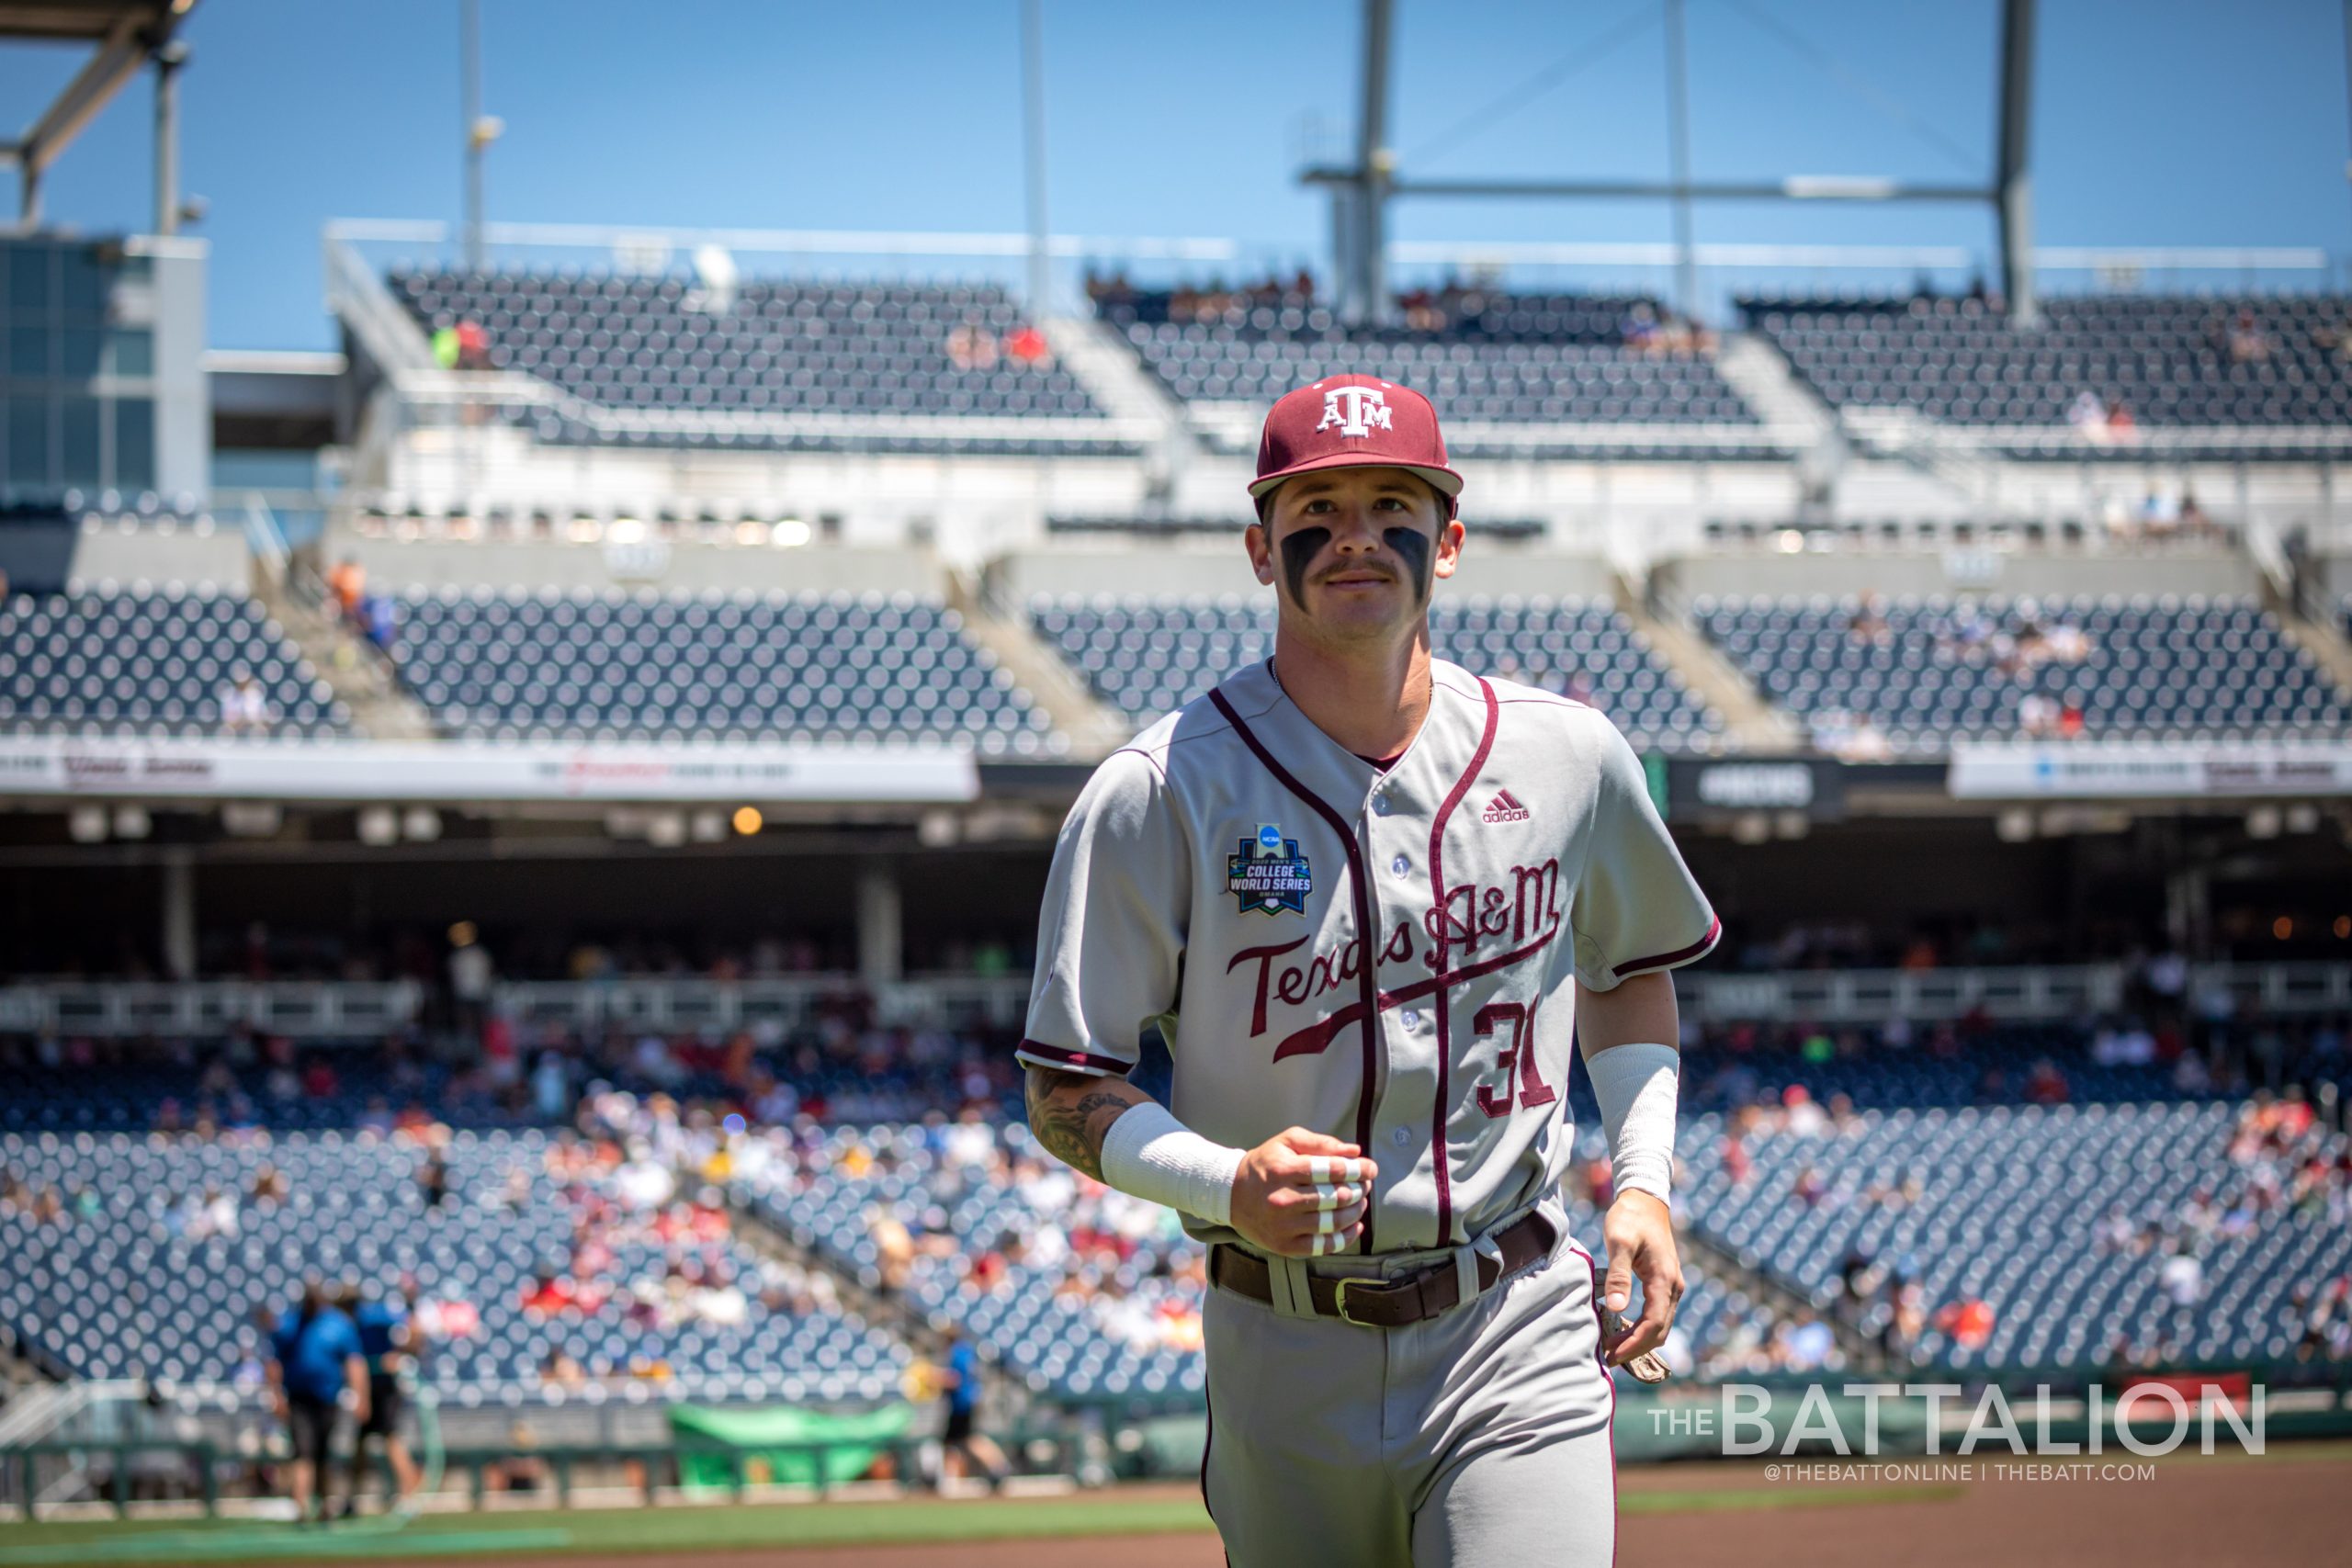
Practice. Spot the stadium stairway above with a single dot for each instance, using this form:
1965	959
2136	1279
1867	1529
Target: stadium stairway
381	707
1784	1301
1750	724
1002	1395
1095	354
1756	370
1094	727
2317	636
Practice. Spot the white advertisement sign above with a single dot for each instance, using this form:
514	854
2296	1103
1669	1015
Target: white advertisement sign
2211	769
395	770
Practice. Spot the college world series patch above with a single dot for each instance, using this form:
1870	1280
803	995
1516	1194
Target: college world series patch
1267	874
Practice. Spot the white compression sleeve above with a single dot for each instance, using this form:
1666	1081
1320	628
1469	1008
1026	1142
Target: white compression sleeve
1633	1085
1151	1154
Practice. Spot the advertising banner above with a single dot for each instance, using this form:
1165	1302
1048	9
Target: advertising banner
424	771
2214	770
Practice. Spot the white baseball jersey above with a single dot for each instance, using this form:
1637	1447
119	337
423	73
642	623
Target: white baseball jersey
1387	957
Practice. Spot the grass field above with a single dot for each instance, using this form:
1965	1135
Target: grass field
543	1533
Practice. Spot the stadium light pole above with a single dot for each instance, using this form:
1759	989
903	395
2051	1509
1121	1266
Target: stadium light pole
168	60
1364	298
2013	184
1678	131
1033	94
470	71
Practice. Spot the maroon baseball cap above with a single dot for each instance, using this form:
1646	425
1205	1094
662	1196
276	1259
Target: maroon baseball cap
1344	421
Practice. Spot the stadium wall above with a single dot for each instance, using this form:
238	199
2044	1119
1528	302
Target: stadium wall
1205	566
206	550
2046	573
666	565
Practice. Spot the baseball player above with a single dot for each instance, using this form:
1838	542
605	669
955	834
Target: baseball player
1371	901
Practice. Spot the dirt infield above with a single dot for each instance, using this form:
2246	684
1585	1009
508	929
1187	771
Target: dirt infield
2293	1507
2289	1507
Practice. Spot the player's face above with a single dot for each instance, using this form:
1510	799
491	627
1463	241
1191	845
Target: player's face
1356	550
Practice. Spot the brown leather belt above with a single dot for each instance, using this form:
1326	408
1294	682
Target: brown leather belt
1389	1303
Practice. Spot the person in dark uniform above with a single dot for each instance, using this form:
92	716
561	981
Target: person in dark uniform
961	1379
384	1341
316	1369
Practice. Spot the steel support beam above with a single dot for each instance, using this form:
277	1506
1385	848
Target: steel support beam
2013	182
168	60
1797	187
1677	133
1364	299
101	76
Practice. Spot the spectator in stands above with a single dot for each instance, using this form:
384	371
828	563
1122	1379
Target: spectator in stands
317	1371
433	1179
2071	717
1969	1321
2044	1084
2088	414
1866	743
1806	1344
2182	1279
972	347
244	708
2037	716
1026	346
348	584
470	978
379	621
2247	342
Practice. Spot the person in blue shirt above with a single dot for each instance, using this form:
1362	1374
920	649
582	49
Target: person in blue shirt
384	1341
961	1378
316	1368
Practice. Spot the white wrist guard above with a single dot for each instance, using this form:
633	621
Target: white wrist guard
1633	1085
1151	1154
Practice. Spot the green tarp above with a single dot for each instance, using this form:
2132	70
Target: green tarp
802	1448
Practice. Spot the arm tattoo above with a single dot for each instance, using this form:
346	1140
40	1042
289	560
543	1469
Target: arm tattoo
1072	1126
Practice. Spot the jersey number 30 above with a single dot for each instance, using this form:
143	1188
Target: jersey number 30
1517	1059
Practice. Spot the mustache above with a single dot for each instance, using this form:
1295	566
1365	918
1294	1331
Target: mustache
1301	546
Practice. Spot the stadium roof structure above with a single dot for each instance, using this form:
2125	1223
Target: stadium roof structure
124	35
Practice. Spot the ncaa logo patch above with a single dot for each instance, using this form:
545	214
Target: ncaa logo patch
1267	874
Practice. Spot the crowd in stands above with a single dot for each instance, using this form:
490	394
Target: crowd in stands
374	618
1454	305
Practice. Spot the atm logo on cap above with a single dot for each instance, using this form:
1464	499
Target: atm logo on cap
1357	411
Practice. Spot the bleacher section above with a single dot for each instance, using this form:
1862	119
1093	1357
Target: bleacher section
142	662
492	665
1148	657
660	346
118	1288
1927	671
2174	363
1083	1294
2027	1210
1522	361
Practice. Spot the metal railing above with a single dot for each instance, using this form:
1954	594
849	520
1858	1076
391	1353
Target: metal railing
309	1010
355	1010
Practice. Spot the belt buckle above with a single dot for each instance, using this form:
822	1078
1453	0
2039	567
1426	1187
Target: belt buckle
1339	1300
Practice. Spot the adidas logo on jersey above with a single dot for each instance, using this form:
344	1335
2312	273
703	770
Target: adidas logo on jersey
1504	808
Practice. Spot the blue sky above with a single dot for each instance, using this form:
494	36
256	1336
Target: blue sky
2160	122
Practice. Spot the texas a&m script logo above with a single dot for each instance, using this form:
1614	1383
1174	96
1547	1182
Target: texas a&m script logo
1267	874
1357	411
